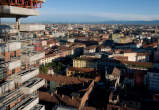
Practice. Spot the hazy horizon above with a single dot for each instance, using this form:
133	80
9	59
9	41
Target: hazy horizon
97	11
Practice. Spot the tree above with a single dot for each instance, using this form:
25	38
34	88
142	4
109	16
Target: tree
60	66
43	69
53	64
111	37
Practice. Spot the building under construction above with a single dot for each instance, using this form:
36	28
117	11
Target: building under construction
23	3
18	70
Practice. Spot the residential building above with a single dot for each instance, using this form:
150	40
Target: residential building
86	72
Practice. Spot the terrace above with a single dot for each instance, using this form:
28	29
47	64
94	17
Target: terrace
32	85
27	74
29	103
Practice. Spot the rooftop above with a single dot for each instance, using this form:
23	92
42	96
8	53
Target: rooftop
59	79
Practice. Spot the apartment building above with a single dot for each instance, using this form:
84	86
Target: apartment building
10	50
32	58
137	57
87	72
18	84
104	49
90	49
131	56
85	62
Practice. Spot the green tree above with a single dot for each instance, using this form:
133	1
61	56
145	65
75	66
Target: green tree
111	37
53	64
43	69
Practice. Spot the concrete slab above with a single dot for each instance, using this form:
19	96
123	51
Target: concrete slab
12	12
31	27
8	29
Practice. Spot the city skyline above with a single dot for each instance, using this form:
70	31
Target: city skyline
79	55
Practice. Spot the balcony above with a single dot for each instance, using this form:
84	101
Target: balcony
26	75
10	99
32	85
31	58
31	27
6	86
14	64
32	102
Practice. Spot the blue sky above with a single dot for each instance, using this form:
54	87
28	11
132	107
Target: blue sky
98	10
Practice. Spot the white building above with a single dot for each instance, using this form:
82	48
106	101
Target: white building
137	57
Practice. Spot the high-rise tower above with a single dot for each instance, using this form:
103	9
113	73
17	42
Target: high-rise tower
18	69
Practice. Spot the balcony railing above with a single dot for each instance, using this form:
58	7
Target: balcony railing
30	104
32	85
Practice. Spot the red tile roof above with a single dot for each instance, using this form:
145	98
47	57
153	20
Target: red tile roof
60	79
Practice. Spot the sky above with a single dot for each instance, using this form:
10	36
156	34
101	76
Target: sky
97	10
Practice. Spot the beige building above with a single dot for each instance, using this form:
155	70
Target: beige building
84	62
72	71
137	57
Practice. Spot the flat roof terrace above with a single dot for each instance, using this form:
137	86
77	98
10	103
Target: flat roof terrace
13	12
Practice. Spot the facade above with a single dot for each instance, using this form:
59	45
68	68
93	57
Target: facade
137	57
87	72
156	54
31	27
90	49
18	82
49	58
104	49
85	62
153	81
10	50
32	59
